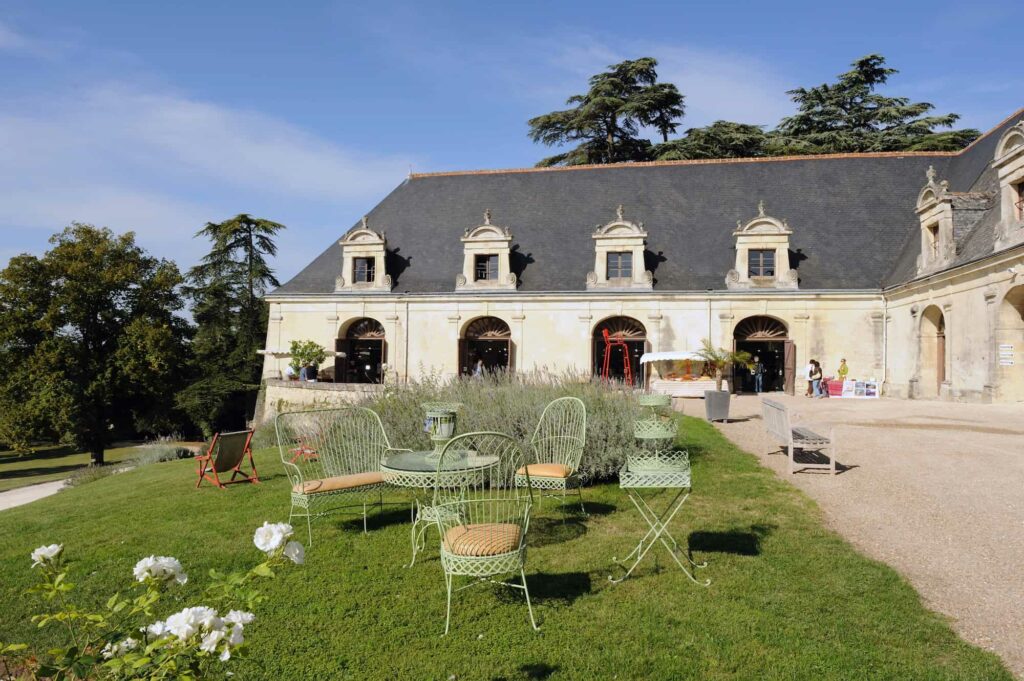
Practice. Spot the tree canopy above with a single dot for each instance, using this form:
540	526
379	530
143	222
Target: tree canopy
845	116
90	343
605	123
226	289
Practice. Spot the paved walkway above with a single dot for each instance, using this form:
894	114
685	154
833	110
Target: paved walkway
934	489
23	495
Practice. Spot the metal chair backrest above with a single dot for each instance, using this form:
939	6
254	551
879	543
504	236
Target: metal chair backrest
340	441
480	468
230	449
561	433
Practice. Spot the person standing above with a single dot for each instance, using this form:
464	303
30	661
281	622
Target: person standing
757	369
478	369
843	371
816	378
807	375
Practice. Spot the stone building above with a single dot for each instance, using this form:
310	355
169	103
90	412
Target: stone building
909	265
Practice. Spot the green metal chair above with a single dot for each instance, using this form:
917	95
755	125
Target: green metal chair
557	446
332	454
482	514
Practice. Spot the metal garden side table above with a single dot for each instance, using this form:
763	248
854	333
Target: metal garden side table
657	467
419	471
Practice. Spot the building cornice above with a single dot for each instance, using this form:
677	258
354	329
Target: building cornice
988	260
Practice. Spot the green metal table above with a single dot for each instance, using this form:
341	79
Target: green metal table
419	471
659	472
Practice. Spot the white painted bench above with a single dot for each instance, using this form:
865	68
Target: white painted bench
777	423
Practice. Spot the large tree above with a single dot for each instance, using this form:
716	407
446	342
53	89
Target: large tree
227	289
90	343
850	116
721	139
606	122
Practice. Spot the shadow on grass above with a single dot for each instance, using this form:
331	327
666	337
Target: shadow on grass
548	531
31	472
737	542
532	670
351	518
555	587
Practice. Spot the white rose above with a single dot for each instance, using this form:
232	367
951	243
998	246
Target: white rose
239	617
210	641
46	554
161	568
118	649
157	629
271	536
295	551
225	655
236	638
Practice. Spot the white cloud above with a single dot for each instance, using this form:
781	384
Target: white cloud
163	164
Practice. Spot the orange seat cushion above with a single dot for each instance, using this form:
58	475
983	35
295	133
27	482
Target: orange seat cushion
488	539
545	470
339	482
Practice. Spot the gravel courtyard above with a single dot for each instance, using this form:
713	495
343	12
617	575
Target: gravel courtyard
934	489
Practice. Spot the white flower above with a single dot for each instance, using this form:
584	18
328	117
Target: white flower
296	552
188	622
210	641
225	655
118	649
156	629
46	554
236	638
239	617
160	568
271	536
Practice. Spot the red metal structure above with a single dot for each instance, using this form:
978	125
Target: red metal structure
226	454
609	343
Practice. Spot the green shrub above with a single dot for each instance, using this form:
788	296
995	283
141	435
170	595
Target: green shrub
88	474
512	404
156	452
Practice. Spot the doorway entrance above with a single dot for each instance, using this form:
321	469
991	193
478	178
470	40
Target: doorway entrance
363	353
487	340
933	352
627	337
767	339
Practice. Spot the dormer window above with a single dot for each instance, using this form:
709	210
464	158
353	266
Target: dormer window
619	255
620	265
486	268
1009	166
364	269
761	263
762	254
485	262
935	211
363	252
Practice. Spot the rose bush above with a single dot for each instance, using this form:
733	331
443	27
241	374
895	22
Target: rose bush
128	641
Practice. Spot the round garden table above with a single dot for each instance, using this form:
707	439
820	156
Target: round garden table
419	471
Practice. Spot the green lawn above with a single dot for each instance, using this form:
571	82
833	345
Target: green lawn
50	463
789	598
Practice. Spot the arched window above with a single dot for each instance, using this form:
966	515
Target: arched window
767	339
624	346
362	353
486	340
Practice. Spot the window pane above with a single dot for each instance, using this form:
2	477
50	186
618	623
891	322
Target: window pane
761	263
365	269
620	265
486	267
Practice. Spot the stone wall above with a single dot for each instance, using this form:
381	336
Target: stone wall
281	395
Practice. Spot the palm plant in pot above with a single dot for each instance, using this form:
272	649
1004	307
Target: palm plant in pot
716	402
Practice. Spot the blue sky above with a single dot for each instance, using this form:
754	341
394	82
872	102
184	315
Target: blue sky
158	117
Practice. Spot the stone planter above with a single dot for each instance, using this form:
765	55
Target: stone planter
716	405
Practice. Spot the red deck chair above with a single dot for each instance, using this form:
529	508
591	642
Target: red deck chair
303	451
227	452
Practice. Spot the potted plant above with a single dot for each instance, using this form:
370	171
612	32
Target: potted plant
716	402
306	353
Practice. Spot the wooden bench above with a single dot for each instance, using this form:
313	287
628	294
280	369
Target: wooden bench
777	423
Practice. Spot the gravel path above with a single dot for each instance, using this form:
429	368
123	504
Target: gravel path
934	489
23	495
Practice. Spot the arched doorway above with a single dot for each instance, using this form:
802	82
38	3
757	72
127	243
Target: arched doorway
363	353
933	352
1010	346
767	339
633	335
489	340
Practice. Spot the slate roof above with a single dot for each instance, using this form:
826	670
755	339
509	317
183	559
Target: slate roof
852	217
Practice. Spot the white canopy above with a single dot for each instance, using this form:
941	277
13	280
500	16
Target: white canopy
669	356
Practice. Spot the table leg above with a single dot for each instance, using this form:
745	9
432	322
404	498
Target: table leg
658	531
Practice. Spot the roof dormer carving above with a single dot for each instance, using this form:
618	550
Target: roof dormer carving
479	244
935	212
1009	166
762	254
363	257
619	255
933	192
